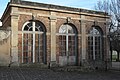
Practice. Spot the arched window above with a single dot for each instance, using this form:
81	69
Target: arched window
95	44
33	42
67	45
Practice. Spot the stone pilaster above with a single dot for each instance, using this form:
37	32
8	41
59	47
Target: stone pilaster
14	36
107	47
53	38
109	55
83	35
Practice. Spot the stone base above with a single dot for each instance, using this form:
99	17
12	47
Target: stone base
14	64
95	64
67	61
53	64
4	64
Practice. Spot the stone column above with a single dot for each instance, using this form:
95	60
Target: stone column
83	35
14	36
53	38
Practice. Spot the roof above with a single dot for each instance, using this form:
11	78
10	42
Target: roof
50	6
58	7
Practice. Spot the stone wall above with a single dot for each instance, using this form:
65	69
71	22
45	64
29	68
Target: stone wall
5	57
5	38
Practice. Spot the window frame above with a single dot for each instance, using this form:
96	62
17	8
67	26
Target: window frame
40	31
92	52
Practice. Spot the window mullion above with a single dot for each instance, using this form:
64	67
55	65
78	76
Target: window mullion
33	24
100	47
93	47
67	40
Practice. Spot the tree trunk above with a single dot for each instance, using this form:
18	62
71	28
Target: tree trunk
118	56
111	51
111	54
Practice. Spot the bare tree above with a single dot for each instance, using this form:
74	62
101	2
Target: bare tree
112	7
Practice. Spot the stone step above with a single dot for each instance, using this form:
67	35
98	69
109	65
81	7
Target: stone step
34	65
71	69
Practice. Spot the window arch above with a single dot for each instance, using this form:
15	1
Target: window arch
67	44
65	29
33	26
33	42
95	44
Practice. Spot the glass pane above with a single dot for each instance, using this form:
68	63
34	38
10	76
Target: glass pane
71	45
36	29
27	47
39	47
28	40
28	27
31	29
94	43
62	45
63	29
94	31
66	38
66	29
70	29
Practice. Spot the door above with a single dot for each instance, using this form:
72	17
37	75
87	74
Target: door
67	45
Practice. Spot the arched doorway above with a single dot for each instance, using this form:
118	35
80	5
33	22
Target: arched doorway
95	44
67	45
33	42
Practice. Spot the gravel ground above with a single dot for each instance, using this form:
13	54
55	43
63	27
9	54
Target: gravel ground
47	74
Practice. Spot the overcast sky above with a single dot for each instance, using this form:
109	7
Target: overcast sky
86	4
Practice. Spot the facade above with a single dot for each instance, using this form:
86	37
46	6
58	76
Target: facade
51	34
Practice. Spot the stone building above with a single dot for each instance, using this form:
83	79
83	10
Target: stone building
50	34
